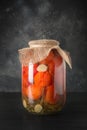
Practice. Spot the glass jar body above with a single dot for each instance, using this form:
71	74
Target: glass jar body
44	85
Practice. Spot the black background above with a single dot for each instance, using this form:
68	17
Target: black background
25	20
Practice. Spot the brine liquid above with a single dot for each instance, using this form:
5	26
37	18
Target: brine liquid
46	107
44	85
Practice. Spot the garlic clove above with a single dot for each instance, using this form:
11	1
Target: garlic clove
42	68
24	103
38	108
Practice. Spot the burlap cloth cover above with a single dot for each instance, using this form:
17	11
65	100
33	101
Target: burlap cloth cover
39	49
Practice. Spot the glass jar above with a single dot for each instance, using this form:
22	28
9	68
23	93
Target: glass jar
43	77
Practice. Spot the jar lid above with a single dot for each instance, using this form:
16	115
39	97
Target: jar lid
39	50
43	43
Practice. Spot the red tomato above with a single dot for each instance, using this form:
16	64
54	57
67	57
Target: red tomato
25	76
35	68
58	60
50	97
25	71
